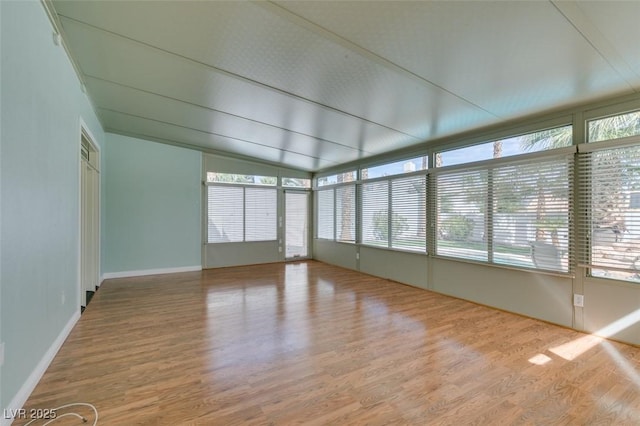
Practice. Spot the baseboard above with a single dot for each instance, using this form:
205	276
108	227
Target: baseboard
127	274
30	384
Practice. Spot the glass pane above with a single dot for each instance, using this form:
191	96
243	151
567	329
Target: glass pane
614	216
325	216
461	206
538	141
349	176
531	215
346	213
396	168
296	182
261	214
225	214
408	204
241	179
619	126
375	213
296	221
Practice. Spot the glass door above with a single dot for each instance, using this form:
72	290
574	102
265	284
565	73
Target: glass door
296	224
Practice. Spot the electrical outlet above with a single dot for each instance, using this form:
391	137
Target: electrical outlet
357	256
63	298
1	354
578	300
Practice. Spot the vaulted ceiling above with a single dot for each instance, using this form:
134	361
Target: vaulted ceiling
311	85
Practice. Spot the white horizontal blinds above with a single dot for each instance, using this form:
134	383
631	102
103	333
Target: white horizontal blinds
225	222
345	202
408	217
532	203
325	214
296	224
375	213
609	224
261	210
461	201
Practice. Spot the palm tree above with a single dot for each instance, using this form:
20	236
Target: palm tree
547	139
606	197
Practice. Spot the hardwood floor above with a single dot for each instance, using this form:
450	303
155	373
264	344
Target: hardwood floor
309	343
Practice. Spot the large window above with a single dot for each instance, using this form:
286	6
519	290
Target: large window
512	212
394	207
394	213
609	187
241	214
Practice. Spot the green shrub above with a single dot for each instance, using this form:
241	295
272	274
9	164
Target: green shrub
381	225
456	228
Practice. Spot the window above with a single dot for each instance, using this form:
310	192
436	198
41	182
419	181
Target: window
349	176
543	140
226	214
375	213
396	168
461	204
288	182
336	213
260	213
531	211
213	177
610	227
238	214
394	213
409	213
345	199
512	212
325	214
616	127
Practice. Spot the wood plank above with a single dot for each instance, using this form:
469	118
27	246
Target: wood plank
310	343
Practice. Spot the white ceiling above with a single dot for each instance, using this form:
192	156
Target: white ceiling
311	85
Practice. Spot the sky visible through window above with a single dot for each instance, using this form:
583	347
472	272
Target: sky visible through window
481	152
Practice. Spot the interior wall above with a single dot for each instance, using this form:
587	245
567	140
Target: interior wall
339	254
543	296
612	309
403	267
153	207
42	104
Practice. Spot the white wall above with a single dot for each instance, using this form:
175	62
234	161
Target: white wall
42	104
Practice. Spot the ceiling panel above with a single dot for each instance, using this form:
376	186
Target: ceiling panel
511	58
252	42
618	24
163	132
119	60
311	84
135	102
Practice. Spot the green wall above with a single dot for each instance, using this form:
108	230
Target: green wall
152	206
42	104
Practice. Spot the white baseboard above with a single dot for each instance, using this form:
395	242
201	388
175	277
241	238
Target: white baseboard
30	384
127	274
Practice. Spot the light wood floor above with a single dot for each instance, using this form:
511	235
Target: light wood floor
308	343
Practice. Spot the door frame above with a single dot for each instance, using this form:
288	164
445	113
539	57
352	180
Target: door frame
85	132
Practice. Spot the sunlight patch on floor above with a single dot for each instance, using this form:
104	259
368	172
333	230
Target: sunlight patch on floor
540	359
577	347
